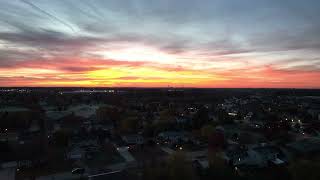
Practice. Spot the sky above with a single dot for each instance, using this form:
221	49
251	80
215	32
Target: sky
160	43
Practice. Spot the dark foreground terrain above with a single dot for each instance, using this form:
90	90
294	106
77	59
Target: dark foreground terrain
167	133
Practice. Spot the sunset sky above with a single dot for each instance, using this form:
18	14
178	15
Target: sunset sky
160	43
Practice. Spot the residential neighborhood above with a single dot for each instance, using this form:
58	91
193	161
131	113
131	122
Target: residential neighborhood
139	133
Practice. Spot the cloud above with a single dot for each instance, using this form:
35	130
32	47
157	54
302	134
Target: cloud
262	42
47	39
72	65
47	13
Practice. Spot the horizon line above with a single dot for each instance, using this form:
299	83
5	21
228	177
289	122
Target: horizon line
124	87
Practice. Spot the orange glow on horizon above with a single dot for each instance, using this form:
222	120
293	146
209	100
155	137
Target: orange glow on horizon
123	76
160	70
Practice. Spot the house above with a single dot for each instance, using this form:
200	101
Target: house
10	164
173	137
212	116
200	159
257	156
133	139
252	158
315	112
104	127
200	164
76	154
9	137
183	120
85	143
8	173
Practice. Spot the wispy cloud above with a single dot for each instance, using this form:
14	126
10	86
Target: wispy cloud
47	13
